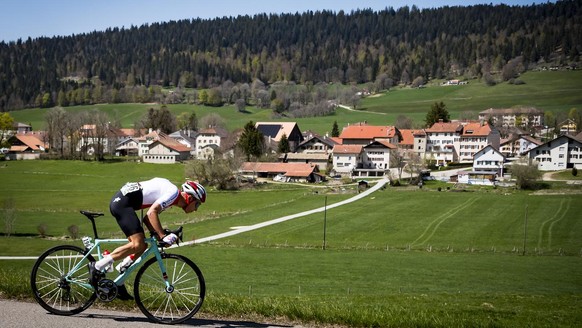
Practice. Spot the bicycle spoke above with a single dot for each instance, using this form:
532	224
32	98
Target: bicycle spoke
57	286
178	304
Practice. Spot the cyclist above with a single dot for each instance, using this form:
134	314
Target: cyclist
156	195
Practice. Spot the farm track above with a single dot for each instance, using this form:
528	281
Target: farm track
433	226
557	217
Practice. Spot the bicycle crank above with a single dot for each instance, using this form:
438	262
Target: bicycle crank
106	290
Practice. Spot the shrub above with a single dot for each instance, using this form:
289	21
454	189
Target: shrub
574	171
42	230
73	231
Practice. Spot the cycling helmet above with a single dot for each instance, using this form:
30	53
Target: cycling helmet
194	189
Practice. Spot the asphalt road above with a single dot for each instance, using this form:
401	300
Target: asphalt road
14	314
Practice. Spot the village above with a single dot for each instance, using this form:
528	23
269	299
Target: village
486	147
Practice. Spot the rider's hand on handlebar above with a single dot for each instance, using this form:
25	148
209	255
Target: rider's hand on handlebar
170	239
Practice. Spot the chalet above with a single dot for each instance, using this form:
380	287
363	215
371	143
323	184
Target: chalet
563	152
26	146
274	131
489	160
206	137
517	145
315	144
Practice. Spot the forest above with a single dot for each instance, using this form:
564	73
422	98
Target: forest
403	46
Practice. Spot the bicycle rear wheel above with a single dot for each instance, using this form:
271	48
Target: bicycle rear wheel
56	287
169	305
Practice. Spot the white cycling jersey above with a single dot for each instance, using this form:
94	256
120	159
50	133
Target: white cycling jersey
159	191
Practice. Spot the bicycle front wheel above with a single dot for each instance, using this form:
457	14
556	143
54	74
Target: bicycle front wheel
176	303
59	280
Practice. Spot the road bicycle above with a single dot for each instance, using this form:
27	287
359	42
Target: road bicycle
168	288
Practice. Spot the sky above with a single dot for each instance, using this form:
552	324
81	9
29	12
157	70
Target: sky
21	19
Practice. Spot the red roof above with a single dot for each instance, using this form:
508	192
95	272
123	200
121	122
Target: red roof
476	129
289	169
347	149
408	136
445	127
367	132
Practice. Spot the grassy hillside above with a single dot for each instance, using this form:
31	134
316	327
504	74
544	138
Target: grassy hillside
399	257
548	91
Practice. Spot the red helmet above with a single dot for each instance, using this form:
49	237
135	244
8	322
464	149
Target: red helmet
195	189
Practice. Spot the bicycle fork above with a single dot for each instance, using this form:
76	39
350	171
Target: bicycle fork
169	287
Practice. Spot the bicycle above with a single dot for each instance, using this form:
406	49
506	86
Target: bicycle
168	288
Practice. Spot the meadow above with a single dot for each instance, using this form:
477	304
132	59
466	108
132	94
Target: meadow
401	257
557	92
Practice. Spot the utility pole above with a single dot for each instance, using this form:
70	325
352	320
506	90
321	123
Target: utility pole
525	231
324	222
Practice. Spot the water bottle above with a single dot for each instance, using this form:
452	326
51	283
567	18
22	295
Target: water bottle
108	268
121	267
88	242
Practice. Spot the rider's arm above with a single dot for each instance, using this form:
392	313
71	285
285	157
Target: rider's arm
152	220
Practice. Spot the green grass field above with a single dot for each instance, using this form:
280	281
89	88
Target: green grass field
401	257
549	91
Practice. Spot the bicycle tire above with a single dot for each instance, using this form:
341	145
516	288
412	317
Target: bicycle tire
169	307
50	288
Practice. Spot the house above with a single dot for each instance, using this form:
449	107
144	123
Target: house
208	151
26	146
127	147
443	142
363	134
519	117
516	145
563	152
474	137
205	138
489	160
187	138
22	128
569	126
346	158
413	142
274	131
315	144
375	159
289	172
166	150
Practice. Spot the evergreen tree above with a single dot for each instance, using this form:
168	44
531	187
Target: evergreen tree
438	111
335	130
251	141
283	145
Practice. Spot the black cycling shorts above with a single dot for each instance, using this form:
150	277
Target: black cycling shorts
123	209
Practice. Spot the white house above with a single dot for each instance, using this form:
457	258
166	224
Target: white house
515	146
474	137
563	152
443	141
204	139
346	158
489	160
166	151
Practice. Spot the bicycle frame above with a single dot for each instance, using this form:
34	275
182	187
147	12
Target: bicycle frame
120	280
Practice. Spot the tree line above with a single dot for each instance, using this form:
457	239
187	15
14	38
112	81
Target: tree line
391	46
